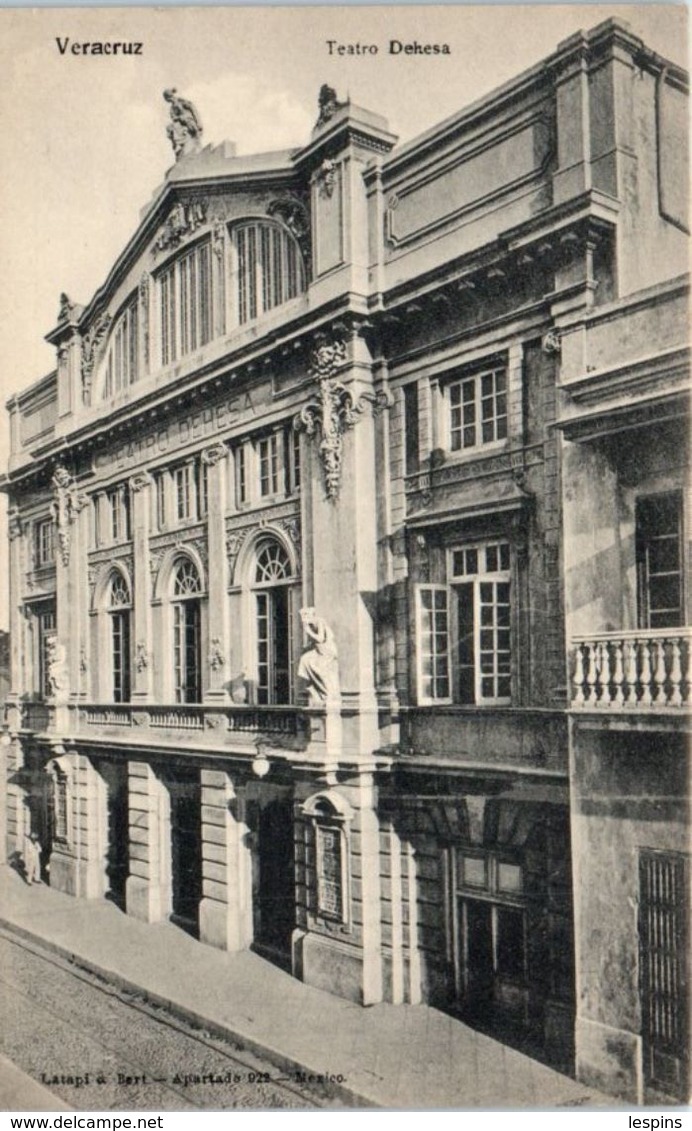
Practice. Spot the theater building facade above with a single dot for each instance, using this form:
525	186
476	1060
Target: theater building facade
348	567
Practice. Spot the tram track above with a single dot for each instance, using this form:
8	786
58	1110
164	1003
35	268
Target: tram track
213	1070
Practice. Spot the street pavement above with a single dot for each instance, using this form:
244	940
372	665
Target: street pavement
389	1056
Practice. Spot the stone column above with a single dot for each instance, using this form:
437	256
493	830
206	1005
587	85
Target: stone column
18	648
140	487
79	601
215	459
148	889
225	912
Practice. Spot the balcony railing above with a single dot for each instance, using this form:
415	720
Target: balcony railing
647	670
227	724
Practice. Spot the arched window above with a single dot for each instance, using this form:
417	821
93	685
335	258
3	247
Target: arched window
122	357
119	608
272	572
186	303
273	563
187	625
270	268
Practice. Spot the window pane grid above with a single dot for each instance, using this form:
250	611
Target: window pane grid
270	269
480	398
433	643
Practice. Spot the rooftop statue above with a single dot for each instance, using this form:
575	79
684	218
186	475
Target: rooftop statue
327	104
185	127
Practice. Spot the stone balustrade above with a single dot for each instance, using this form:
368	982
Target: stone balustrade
226	724
643	670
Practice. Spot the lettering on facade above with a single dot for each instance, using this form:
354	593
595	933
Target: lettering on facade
185	430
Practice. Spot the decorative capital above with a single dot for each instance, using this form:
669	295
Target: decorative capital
139	481
214	454
326	358
234	542
551	343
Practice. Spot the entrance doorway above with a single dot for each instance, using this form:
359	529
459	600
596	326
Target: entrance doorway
114	775
276	881
186	849
492	963
664	951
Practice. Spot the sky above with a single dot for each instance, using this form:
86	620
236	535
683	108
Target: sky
83	145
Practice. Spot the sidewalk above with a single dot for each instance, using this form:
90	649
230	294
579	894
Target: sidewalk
391	1056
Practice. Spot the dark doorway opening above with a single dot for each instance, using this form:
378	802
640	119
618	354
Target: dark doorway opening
276	894
186	849
114	775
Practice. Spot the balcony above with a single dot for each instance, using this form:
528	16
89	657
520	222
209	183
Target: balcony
231	727
646	671
486	737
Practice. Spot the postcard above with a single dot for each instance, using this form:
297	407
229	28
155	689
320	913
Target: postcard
345	637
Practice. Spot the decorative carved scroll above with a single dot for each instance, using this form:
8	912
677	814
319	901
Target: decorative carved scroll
92	348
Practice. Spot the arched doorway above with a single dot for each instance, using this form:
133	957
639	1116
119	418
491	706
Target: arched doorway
187	632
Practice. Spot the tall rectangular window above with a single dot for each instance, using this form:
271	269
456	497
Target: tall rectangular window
270	270
268	451
122	361
202	487
660	561
477	408
464	629
117	515
45	629
292	459
411	428
182	478
169	337
433	644
187	654
160	499
241	492
121	656
44	542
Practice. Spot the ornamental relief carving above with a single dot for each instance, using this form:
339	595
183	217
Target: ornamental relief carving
15	526
292	210
93	345
143	292
334	410
67	503
182	221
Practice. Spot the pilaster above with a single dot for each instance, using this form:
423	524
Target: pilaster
18	651
342	525
215	458
141	488
148	889
225	912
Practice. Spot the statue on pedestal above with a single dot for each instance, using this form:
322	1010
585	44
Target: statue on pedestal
184	130
58	675
319	663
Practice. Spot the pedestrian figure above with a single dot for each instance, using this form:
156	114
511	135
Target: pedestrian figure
32	859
